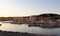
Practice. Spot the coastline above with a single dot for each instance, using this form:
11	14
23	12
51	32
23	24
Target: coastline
10	33
37	24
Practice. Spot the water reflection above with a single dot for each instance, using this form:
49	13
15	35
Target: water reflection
25	28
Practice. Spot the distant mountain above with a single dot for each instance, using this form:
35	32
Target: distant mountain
49	15
33	17
46	18
55	16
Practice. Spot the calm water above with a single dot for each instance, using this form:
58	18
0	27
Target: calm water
25	28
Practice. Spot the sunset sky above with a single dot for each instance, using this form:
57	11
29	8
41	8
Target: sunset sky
28	7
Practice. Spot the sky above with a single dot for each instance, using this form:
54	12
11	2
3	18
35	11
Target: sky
10	8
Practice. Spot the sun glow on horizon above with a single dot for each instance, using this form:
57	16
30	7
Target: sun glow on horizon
28	7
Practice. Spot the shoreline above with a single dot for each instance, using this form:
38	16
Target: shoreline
37	24
10	33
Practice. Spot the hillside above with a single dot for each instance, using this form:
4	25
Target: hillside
45	17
